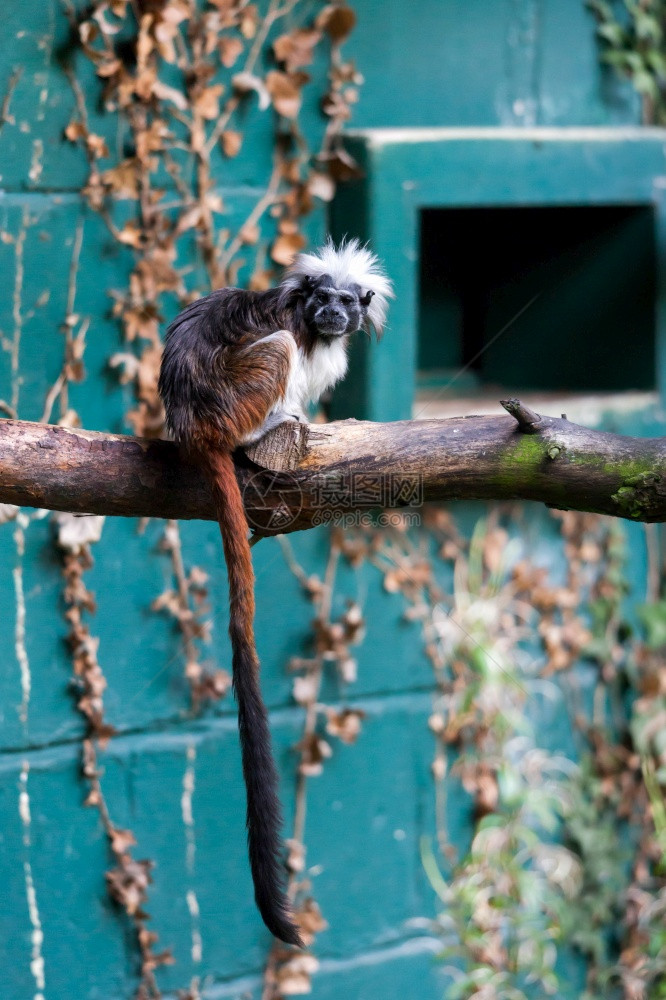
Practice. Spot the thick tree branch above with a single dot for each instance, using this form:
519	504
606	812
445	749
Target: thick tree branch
303	475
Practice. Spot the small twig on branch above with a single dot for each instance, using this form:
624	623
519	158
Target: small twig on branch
302	475
528	421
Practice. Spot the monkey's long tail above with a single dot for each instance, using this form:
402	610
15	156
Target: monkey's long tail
264	818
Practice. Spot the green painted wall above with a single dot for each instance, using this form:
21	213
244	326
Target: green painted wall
368	812
483	62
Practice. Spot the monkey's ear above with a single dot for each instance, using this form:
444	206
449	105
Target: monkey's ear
309	282
366	299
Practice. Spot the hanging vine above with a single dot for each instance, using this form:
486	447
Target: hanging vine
177	77
180	80
633	37
129	879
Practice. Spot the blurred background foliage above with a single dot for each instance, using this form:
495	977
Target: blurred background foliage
632	36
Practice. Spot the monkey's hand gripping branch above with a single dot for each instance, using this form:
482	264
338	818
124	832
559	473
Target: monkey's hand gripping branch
301	475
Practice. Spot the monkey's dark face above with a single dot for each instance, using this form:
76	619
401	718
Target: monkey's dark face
331	311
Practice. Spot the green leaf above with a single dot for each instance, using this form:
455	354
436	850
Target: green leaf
653	619
645	84
648	28
601	9
612	33
656	60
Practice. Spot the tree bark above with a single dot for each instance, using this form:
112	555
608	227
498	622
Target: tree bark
302	475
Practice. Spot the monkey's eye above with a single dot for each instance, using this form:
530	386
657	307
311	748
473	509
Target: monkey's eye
347	298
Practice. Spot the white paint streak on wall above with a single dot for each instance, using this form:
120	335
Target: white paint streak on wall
37	161
37	935
17	310
186	808
190	848
193	906
45	43
24	804
22	522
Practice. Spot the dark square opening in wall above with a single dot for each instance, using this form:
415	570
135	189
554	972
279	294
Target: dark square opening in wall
557	298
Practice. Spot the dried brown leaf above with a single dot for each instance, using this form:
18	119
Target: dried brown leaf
341	165
337	20
296	48
285	91
296	856
75	131
132	235
260	280
305	689
109	67
231	142
249	21
294	975
346	725
96	145
314	751
335	106
229	50
309	919
286	247
321	186
121	840
249	235
207	102
123	180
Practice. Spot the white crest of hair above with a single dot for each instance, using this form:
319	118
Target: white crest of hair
348	264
